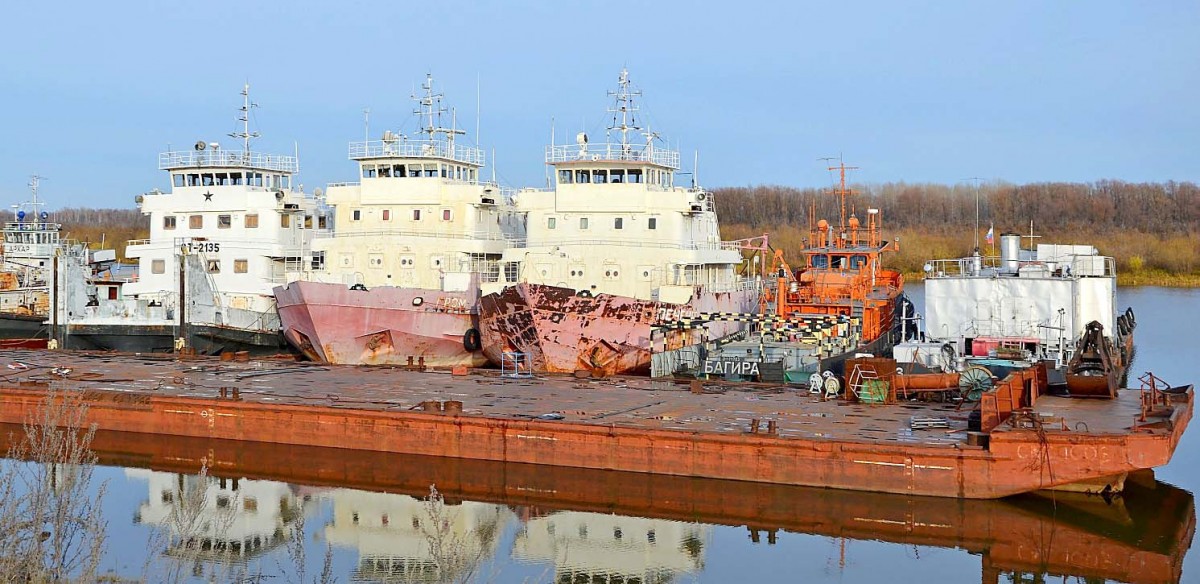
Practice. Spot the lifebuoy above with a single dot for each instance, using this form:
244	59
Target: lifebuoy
471	340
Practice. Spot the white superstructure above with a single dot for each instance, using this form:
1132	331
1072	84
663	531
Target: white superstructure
1039	300
30	243
236	219
616	222
422	216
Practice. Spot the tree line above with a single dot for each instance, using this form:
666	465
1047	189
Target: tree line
1164	209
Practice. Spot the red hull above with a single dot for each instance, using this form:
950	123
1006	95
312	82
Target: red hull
563	332
331	323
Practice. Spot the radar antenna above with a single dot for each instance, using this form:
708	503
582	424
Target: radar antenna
244	118
841	191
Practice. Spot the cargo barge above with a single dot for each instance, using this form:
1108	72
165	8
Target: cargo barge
1141	537
1027	441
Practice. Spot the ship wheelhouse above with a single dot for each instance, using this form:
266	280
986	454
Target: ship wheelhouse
616	222
421	215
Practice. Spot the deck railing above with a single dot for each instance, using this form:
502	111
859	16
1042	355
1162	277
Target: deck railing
226	159
613	152
402	148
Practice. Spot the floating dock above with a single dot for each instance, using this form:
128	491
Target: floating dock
753	433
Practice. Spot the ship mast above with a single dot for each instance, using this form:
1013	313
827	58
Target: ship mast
34	203
842	191
431	113
244	118
624	108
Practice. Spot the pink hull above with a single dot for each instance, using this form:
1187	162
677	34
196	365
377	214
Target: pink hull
331	323
563	332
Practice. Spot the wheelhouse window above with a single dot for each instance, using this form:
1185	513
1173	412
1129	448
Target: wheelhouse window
224	221
599	176
583	176
322	222
196	222
564	177
285	220
634	175
820	261
177	180
158	266
307	222
368	171
251	221
617	175
169	222
385	171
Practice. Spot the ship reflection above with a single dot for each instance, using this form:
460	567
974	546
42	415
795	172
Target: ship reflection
600	526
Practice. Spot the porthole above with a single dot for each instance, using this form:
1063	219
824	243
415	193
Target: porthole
418	301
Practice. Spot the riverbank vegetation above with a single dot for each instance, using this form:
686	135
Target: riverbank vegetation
1152	230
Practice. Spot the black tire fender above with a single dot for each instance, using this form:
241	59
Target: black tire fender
472	341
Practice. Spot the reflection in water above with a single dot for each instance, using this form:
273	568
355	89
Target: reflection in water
593	547
219	519
401	538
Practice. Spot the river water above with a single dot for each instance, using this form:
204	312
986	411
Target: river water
257	517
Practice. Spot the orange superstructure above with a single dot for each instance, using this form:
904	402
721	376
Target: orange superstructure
842	273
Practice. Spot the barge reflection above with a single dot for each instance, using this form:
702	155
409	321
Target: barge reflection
651	528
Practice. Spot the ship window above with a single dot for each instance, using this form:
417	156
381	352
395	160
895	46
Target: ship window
221	179
582	176
408	261
318	260
820	261
375	260
169	222
214	266
206	180
619	223
285	220
347	260
178	179
551	222
385	171
583	222
471	174
307	222
414	170
398	171
224	221
386	215
322	222
511	271
652	223
431	170
256	179
435	262
635	175
857	261
158	266
564	177
599	176
446	215
356	215
368	171
250	504
617	175
251	221
235	178
285	182
193	180
112	292
445	172
196	222
416	214
241	266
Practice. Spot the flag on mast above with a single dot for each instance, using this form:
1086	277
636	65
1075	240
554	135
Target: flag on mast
990	234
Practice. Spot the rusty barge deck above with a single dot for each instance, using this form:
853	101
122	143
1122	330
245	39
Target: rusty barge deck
758	434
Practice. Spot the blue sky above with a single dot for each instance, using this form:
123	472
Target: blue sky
910	91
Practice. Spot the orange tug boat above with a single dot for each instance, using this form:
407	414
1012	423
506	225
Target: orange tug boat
1026	440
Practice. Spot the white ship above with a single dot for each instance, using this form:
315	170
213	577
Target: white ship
614	249
398	281
232	226
26	260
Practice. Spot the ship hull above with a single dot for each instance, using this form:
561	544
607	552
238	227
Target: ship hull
23	326
562	332
125	338
331	323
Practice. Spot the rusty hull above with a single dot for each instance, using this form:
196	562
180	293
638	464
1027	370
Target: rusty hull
563	332
331	323
1142	537
627	424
